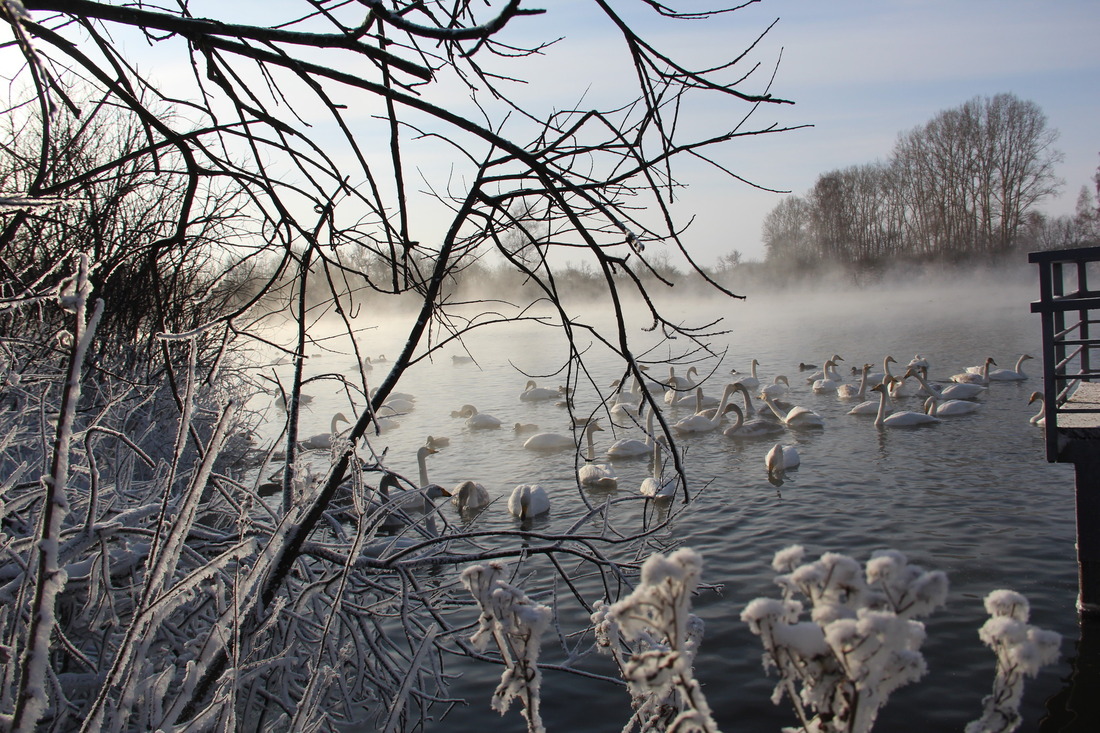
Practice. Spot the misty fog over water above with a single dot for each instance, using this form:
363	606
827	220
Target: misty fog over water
972	496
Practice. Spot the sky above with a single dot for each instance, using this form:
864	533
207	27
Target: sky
860	72
863	71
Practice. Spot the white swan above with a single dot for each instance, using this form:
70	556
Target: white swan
678	385
850	391
1039	418
698	423
398	405
949	392
382	424
830	381
323	441
1010	375
779	387
478	420
655	486
528	500
757	427
939	407
781	458
622	410
534	393
796	417
981	378
549	441
751	381
903	419
750	410
419	500
822	374
469	496
394	395
631	447
879	377
595	475
871	407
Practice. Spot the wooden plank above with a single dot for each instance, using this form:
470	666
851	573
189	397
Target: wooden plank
1086	396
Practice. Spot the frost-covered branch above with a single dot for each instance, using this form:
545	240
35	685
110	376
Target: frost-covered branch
1021	649
654	638
839	668
514	624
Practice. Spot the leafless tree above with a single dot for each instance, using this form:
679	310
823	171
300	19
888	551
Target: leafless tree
188	602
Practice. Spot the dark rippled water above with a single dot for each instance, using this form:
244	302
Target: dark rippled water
973	496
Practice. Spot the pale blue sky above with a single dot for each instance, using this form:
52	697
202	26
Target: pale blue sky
859	71
863	71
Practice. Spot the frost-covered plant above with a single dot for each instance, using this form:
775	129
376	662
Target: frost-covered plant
1021	649
654	638
515	624
861	642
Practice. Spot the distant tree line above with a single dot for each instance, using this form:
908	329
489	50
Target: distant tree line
964	186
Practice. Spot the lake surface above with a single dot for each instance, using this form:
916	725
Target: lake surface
972	496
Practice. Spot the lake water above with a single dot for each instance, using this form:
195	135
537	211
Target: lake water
972	496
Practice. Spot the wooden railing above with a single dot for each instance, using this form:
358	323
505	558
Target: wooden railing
1070	312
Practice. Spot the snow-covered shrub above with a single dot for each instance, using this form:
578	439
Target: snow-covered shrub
1021	649
654	638
861	643
514	624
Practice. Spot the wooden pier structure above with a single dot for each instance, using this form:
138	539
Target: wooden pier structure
1070	313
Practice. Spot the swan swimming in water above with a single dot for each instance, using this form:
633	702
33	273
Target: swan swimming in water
751	381
903	419
982	378
780	459
323	441
878	377
528	500
657	487
871	407
595	475
478	420
469	496
949	392
850	391
830	382
678	385
779	387
823	373
631	447
1010	375
757	427
939	407
701	423
534	393
549	441
1039	418
796	417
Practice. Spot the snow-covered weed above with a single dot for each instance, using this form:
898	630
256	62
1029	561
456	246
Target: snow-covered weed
862	640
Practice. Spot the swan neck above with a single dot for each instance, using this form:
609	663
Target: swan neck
881	416
422	464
